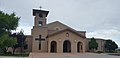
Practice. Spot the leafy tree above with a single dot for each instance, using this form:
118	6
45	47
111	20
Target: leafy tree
110	45
8	22
20	41
6	42
93	44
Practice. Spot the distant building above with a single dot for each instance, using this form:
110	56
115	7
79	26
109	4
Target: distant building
100	42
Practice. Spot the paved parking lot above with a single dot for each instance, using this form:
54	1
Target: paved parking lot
70	55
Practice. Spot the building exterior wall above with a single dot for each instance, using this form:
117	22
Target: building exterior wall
100	42
36	31
82	33
54	25
29	42
60	38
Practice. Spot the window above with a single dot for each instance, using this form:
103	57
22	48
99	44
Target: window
57	28
40	23
67	34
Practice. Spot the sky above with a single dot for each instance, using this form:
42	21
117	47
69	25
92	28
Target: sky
99	18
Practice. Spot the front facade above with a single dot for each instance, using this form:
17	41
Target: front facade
55	37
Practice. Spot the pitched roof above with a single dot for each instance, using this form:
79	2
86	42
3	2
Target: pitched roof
68	29
63	25
59	23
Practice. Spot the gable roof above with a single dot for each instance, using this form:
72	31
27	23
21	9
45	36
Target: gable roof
59	23
68	29
64	25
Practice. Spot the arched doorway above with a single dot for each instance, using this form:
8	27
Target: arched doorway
53	47
79	47
67	46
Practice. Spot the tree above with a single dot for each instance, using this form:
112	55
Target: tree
6	42
110	45
20	41
93	44
8	22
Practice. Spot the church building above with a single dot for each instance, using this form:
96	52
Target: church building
55	36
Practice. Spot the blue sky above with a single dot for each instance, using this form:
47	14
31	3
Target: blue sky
99	18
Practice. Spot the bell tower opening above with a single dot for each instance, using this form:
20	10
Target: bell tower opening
40	17
40	23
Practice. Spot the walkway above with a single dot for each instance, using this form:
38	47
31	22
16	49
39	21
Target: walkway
70	55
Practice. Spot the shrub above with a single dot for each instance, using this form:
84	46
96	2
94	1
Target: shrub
99	52
9	52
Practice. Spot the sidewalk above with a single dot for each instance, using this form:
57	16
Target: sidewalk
70	55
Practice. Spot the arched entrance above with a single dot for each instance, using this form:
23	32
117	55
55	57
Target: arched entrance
53	47
67	46
79	47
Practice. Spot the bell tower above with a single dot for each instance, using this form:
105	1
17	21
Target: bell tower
39	31
40	17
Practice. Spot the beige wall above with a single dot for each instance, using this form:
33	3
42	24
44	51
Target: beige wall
36	31
29	42
83	33
54	25
100	42
61	37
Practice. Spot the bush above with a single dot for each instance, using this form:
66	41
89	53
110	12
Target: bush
111	51
9	52
99	52
88	51
1	51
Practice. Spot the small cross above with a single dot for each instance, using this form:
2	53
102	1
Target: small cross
40	39
40	7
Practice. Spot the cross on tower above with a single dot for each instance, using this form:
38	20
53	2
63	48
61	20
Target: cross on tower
40	39
40	7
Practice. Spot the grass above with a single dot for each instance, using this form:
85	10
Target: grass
15	55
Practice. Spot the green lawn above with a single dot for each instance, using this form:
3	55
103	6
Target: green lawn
11	57
15	55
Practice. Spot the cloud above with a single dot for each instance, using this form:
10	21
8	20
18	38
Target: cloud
100	18
104	33
26	29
